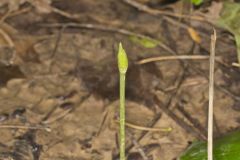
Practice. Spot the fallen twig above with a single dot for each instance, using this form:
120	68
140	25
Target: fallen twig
25	127
174	57
211	96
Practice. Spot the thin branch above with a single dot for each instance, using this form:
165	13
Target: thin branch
142	128
211	96
174	57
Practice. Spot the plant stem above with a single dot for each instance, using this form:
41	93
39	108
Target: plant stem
122	116
122	67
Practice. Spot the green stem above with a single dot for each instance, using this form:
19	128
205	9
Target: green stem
122	116
122	67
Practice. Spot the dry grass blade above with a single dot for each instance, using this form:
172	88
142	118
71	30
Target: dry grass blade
25	127
177	57
211	96
142	128
109	29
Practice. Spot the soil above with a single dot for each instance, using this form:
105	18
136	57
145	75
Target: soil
59	81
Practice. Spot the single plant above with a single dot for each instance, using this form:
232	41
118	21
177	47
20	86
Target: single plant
122	66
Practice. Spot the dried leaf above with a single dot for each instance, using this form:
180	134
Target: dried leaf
194	35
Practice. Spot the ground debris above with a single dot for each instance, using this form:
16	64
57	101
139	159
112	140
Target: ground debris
65	78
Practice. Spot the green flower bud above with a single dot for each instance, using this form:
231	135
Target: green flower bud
122	60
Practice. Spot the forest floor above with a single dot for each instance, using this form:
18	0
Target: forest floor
59	78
